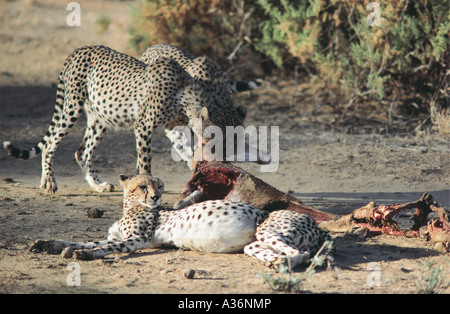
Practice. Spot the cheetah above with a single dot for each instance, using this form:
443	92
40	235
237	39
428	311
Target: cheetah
118	91
201	69
212	226
196	67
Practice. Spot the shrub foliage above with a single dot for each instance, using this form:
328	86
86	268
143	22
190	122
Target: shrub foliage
398	67
221	29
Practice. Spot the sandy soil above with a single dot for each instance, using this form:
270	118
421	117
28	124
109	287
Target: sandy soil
329	169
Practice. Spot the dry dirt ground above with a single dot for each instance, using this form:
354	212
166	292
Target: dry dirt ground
327	169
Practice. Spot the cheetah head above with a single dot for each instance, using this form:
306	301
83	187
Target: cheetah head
142	190
200	122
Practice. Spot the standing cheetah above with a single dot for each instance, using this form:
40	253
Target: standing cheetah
204	70
199	68
118	91
212	226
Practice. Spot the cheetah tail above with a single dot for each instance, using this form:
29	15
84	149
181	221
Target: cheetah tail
242	86
25	153
36	150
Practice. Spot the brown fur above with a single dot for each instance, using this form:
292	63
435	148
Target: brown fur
222	180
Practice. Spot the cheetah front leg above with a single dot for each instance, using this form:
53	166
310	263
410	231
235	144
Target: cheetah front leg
57	246
119	241
126	246
123	237
93	250
143	133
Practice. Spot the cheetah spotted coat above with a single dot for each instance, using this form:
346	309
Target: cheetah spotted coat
118	91
283	237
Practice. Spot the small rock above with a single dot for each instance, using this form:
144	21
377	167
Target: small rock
189	273
95	213
8	180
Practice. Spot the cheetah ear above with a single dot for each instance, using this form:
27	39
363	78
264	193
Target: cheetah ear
122	178
204	114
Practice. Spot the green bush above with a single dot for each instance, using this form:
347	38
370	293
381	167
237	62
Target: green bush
397	68
408	51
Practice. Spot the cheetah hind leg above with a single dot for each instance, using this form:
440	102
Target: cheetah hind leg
91	140
289	257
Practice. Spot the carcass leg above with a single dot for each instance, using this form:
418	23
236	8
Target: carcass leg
192	198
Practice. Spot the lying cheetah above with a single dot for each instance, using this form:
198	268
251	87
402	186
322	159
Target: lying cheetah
213	226
118	91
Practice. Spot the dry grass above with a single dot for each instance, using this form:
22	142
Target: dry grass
440	119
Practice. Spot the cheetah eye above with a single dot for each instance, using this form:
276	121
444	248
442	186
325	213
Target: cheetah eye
160	187
143	187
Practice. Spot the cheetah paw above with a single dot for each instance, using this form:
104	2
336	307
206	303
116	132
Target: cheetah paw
291	261
50	247
104	187
83	255
49	185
